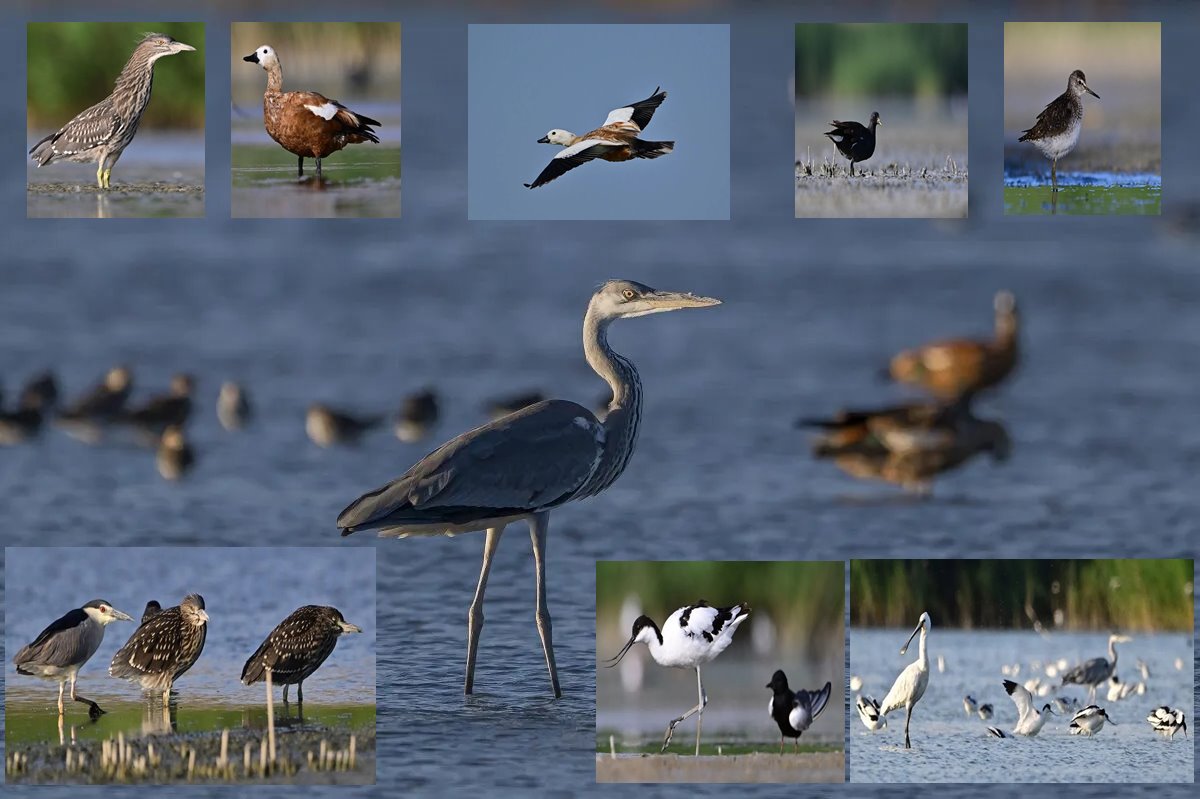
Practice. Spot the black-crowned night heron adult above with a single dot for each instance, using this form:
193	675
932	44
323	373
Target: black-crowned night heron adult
62	648
102	132
297	648
164	647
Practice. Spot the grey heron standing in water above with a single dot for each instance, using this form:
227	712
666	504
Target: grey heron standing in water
1096	671
523	465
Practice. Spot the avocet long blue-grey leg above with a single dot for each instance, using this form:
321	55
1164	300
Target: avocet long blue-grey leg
691	637
539	523
475	614
910	685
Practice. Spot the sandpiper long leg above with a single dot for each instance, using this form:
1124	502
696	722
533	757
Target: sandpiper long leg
697	709
475	614
538	525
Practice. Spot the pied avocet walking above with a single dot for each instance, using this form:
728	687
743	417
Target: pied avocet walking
910	685
1030	720
868	712
691	637
1089	721
1167	721
794	712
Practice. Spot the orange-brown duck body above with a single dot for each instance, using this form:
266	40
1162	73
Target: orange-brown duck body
307	124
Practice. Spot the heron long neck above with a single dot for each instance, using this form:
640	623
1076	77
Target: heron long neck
132	88
625	409
1112	653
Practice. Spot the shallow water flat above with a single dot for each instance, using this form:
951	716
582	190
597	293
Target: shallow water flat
949	746
828	767
1090	199
356	183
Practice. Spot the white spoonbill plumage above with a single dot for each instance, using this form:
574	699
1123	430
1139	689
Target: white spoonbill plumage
868	713
1096	671
1089	721
910	685
794	712
691	637
1167	721
519	467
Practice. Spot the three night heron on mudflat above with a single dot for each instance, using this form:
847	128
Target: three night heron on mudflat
165	646
297	647
523	465
102	132
62	648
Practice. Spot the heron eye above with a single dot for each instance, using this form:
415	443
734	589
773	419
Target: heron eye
628	294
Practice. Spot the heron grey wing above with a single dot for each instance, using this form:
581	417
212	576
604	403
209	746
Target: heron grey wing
524	461
60	645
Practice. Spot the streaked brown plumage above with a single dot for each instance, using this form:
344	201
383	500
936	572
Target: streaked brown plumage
164	647
307	124
297	647
102	132
959	368
907	444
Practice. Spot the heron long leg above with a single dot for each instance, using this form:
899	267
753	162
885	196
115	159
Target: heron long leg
300	693
538	526
285	687
699	708
475	614
94	710
61	685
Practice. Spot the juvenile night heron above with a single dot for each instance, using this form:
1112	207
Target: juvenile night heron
166	645
152	608
102	132
62	648
297	647
523	465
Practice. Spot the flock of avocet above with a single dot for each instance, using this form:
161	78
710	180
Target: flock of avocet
910	686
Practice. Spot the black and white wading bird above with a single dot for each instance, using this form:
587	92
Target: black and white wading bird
1167	721
60	650
166	645
1030	720
910	685
1096	671
868	713
794	712
1089	721
691	637
297	647
521	466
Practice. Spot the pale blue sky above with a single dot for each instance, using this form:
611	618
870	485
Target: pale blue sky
526	79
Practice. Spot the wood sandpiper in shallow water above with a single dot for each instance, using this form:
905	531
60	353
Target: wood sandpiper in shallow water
1056	131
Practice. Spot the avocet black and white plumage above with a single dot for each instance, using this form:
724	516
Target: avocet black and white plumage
297	647
868	713
615	140
164	647
1089	721
61	649
1030	720
794	712
986	711
910	685
1167	721
522	466
1095	672
691	637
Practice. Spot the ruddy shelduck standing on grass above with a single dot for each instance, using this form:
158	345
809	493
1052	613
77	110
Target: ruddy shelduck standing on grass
616	140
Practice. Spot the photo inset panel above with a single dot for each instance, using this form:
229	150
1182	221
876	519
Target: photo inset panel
720	671
881	120
598	122
316	119
89	105
1082	117
1021	670
151	665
